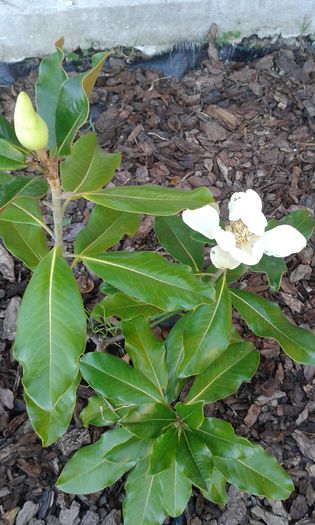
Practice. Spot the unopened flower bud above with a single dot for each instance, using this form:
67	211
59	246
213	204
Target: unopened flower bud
30	128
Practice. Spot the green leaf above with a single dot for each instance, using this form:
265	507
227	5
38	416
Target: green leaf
236	274
174	355
195	459
144	506
25	241
149	277
51	77
265	319
220	438
191	415
73	104
258	473
164	451
175	490
23	210
146	352
89	470
50	334
150	199
299	219
122	306
88	168
148	421
12	187
274	268
21	226
224	375
105	228
98	412
217	491
174	235
207	332
113	378
50	425
246	466
11	158
7	131
134	449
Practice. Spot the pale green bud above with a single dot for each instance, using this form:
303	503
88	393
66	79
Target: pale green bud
30	128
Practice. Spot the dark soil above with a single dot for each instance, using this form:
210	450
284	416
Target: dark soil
227	126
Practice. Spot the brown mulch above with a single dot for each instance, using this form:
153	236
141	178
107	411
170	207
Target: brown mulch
228	127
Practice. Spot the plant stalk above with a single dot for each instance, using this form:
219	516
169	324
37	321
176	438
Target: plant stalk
57	211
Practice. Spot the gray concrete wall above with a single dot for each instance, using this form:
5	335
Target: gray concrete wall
29	27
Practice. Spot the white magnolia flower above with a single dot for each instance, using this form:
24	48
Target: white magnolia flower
244	239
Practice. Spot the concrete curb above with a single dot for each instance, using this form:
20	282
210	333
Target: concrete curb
30	28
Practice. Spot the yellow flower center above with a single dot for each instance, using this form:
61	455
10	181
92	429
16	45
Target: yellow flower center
241	233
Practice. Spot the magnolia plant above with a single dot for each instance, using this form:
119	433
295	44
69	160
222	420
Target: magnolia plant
149	396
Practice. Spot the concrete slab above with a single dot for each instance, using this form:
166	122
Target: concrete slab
29	28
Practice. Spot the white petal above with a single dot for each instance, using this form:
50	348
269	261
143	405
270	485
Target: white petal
202	220
255	221
221	259
283	240
244	201
249	253
225	239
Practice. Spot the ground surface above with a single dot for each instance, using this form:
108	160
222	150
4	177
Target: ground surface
228	127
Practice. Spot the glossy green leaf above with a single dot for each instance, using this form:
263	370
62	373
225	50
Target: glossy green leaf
299	219
149	421
273	267
51	77
143	504
236	274
220	438
73	104
175	489
147	352
89	470
174	235
224	375
149	277
51	365
7	131
164	451
23	210
98	412
207	332
265	319
191	415
50	425
246	466
104	229
122	306
25	241
114	378
174	355
150	199
195	459
88	168
12	187
217	490
11	158
134	449
258	473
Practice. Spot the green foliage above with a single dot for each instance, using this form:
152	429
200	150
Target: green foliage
152	392
265	319
174	236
